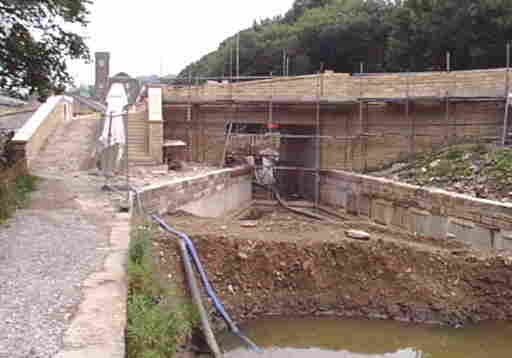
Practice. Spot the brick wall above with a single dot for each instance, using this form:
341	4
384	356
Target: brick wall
171	196
427	212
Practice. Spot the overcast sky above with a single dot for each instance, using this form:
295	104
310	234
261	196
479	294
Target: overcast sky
152	36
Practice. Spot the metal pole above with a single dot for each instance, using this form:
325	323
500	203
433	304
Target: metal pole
271	106
284	62
238	55
505	122
231	61
317	142
507	86
196	296
361	99
189	116
407	116
447	105
109	150
127	158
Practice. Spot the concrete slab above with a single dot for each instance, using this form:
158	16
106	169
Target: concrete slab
97	330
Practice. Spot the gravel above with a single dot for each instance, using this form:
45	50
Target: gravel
43	259
47	250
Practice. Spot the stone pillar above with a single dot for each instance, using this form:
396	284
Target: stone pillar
155	124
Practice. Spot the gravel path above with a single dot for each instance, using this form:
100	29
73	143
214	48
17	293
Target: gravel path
48	249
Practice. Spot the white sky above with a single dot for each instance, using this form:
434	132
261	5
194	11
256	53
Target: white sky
152	36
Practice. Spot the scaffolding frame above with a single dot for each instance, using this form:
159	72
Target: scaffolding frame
319	102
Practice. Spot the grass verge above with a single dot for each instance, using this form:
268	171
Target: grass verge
155	325
15	194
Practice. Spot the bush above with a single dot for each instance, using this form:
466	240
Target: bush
155	327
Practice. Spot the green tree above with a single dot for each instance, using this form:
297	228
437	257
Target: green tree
36	42
386	35
473	31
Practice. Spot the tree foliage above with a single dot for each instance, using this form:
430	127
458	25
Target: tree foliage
385	35
36	40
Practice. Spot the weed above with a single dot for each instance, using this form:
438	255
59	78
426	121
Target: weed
15	194
454	154
154	327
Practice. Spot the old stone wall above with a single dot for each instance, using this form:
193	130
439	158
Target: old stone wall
426	212
171	196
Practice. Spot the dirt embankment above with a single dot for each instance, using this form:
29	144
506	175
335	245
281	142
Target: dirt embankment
316	270
479	170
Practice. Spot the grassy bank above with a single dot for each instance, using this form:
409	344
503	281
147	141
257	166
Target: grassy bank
15	191
156	324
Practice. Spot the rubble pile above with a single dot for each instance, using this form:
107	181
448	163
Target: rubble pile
478	170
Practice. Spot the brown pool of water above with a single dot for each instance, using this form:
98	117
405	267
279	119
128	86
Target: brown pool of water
329	338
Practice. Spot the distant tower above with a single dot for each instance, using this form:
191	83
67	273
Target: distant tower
102	75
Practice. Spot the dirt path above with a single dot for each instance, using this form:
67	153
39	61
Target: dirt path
48	249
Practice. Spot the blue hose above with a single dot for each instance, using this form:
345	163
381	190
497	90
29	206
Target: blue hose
216	301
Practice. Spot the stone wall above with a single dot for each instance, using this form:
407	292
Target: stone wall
345	87
426	212
381	136
210	189
29	140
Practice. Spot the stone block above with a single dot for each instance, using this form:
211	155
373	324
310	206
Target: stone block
470	233
382	212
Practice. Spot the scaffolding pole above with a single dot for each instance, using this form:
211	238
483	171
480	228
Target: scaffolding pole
507	73
189	117
270	124
407	116
446	96
319	91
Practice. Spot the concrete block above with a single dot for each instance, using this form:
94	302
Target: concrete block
470	233
504	240
382	212
364	205
401	217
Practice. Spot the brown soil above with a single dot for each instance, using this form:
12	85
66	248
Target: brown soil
291	265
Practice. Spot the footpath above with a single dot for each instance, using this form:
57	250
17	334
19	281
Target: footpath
62	279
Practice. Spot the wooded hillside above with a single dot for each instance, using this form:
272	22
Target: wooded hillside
401	35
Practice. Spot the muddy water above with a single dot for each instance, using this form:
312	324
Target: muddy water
330	338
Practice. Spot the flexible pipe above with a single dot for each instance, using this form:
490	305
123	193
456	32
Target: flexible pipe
286	206
202	273
196	296
194	289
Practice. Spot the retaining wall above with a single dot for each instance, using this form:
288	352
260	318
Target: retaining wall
427	212
212	194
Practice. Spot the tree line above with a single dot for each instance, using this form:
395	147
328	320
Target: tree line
383	35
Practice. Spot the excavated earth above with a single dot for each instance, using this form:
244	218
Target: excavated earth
283	264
